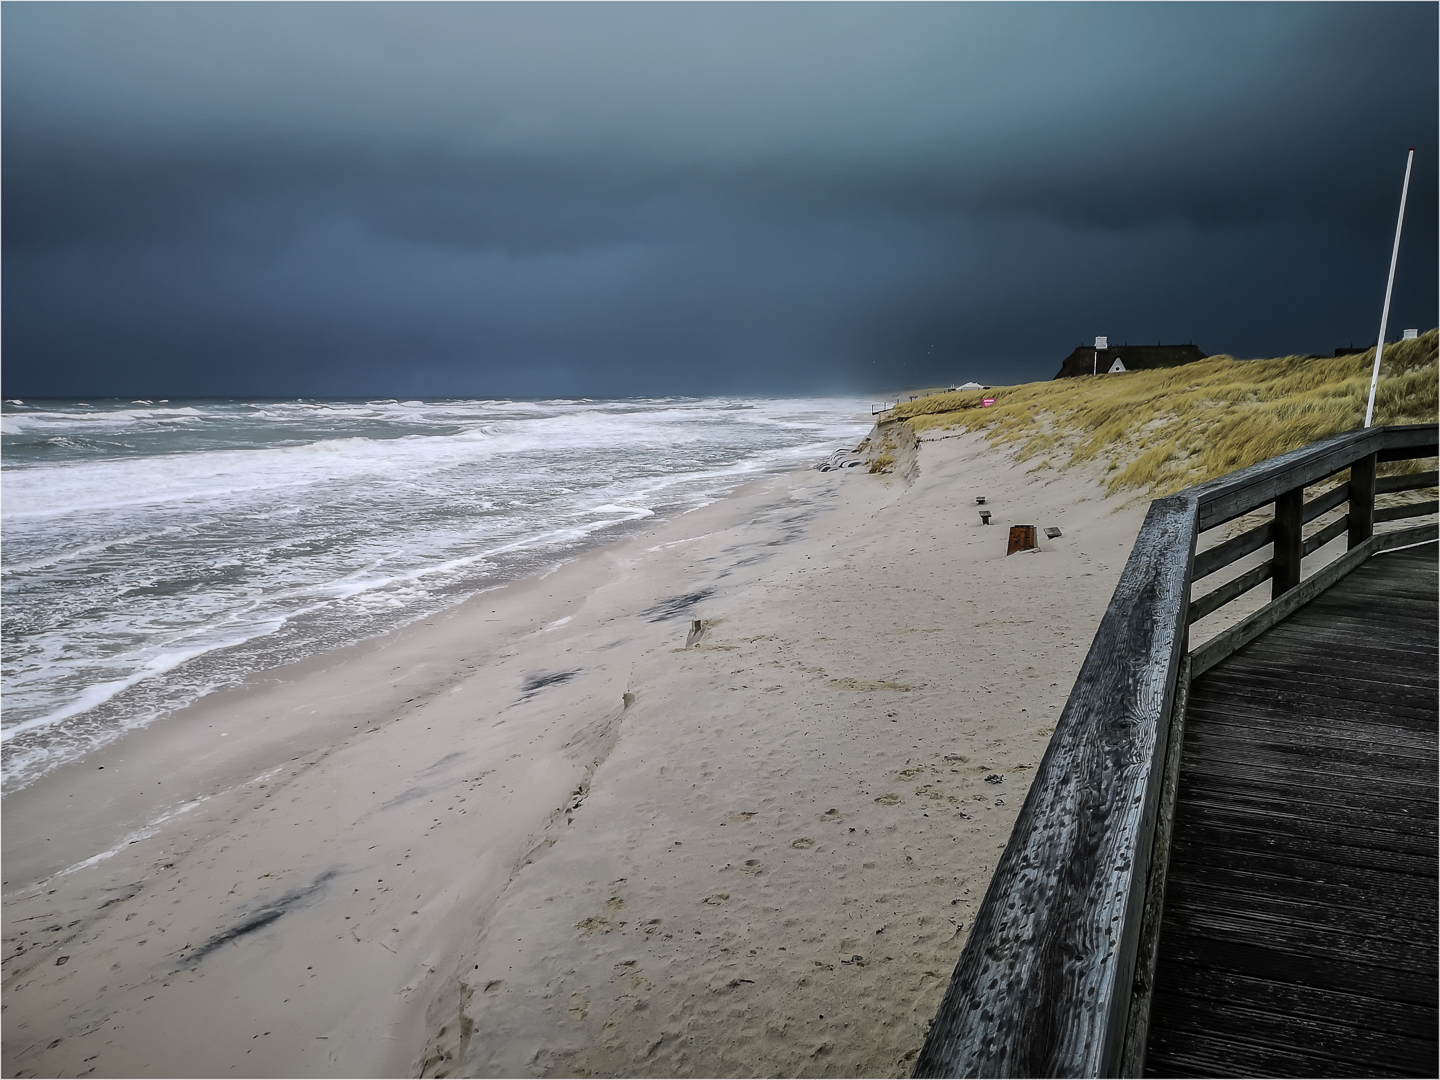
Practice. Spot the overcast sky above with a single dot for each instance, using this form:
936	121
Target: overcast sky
410	199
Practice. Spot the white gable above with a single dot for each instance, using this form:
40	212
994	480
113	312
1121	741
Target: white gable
1116	366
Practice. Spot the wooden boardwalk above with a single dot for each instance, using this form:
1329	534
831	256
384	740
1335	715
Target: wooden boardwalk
1299	934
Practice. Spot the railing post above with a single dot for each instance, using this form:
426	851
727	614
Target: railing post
1362	500
1288	507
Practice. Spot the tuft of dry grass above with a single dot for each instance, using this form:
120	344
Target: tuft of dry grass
1163	430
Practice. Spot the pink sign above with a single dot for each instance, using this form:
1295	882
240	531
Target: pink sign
985	403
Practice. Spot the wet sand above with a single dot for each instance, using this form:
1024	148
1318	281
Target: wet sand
559	831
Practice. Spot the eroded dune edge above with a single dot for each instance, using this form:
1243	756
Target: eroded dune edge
721	799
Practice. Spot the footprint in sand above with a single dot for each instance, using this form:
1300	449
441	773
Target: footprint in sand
579	1006
716	899
802	842
888	799
752	866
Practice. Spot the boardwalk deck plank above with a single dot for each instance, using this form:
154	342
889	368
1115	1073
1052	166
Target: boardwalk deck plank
1326	722
1299	934
1370	812
1322	694
1375	1014
1318	904
1231	769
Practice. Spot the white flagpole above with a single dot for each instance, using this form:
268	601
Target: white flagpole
1390	284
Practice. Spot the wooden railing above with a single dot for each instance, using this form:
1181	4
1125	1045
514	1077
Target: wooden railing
1054	979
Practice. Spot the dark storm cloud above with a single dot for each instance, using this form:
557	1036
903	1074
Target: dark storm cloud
544	199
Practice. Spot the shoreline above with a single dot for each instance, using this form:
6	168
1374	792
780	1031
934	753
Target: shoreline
362	832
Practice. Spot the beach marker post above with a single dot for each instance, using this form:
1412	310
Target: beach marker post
1389	285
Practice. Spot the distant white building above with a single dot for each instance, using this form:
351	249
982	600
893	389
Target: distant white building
968	386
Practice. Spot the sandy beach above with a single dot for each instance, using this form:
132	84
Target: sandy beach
720	799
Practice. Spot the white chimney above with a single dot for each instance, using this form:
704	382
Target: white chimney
1410	335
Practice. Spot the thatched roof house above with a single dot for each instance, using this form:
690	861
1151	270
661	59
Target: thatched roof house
1085	360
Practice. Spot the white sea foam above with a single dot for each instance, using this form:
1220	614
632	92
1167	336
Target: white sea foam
156	551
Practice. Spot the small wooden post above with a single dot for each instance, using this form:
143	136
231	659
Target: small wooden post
1287	541
1362	500
1022	538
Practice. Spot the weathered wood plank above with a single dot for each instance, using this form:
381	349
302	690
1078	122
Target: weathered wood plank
1374	1014
1191	1054
1323	676
1361	805
1259	959
1289	542
1414	534
1312	758
1417	829
1297	776
1303	862
1347	790
1321	537
1132	1058
1231	712
1333	640
1243	491
1346	1047
1406	510
1280	817
1346	624
1236	587
1237	547
1360	514
1251	627
1384	890
1224	833
1384	485
1043	985
1340	900
1401	442
1262	904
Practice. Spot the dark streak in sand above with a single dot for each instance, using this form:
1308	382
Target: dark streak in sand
672	606
533	684
417	791
260	919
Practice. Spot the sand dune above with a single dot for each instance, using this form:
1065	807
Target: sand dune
563	830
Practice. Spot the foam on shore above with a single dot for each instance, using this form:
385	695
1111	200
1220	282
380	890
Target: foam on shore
540	834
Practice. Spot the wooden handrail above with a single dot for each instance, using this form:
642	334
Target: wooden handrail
1045	983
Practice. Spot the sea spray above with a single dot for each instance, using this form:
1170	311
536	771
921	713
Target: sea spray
157	551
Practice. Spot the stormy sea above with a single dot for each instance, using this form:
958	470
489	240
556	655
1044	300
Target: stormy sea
155	551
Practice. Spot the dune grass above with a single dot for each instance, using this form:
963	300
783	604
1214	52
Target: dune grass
1163	430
